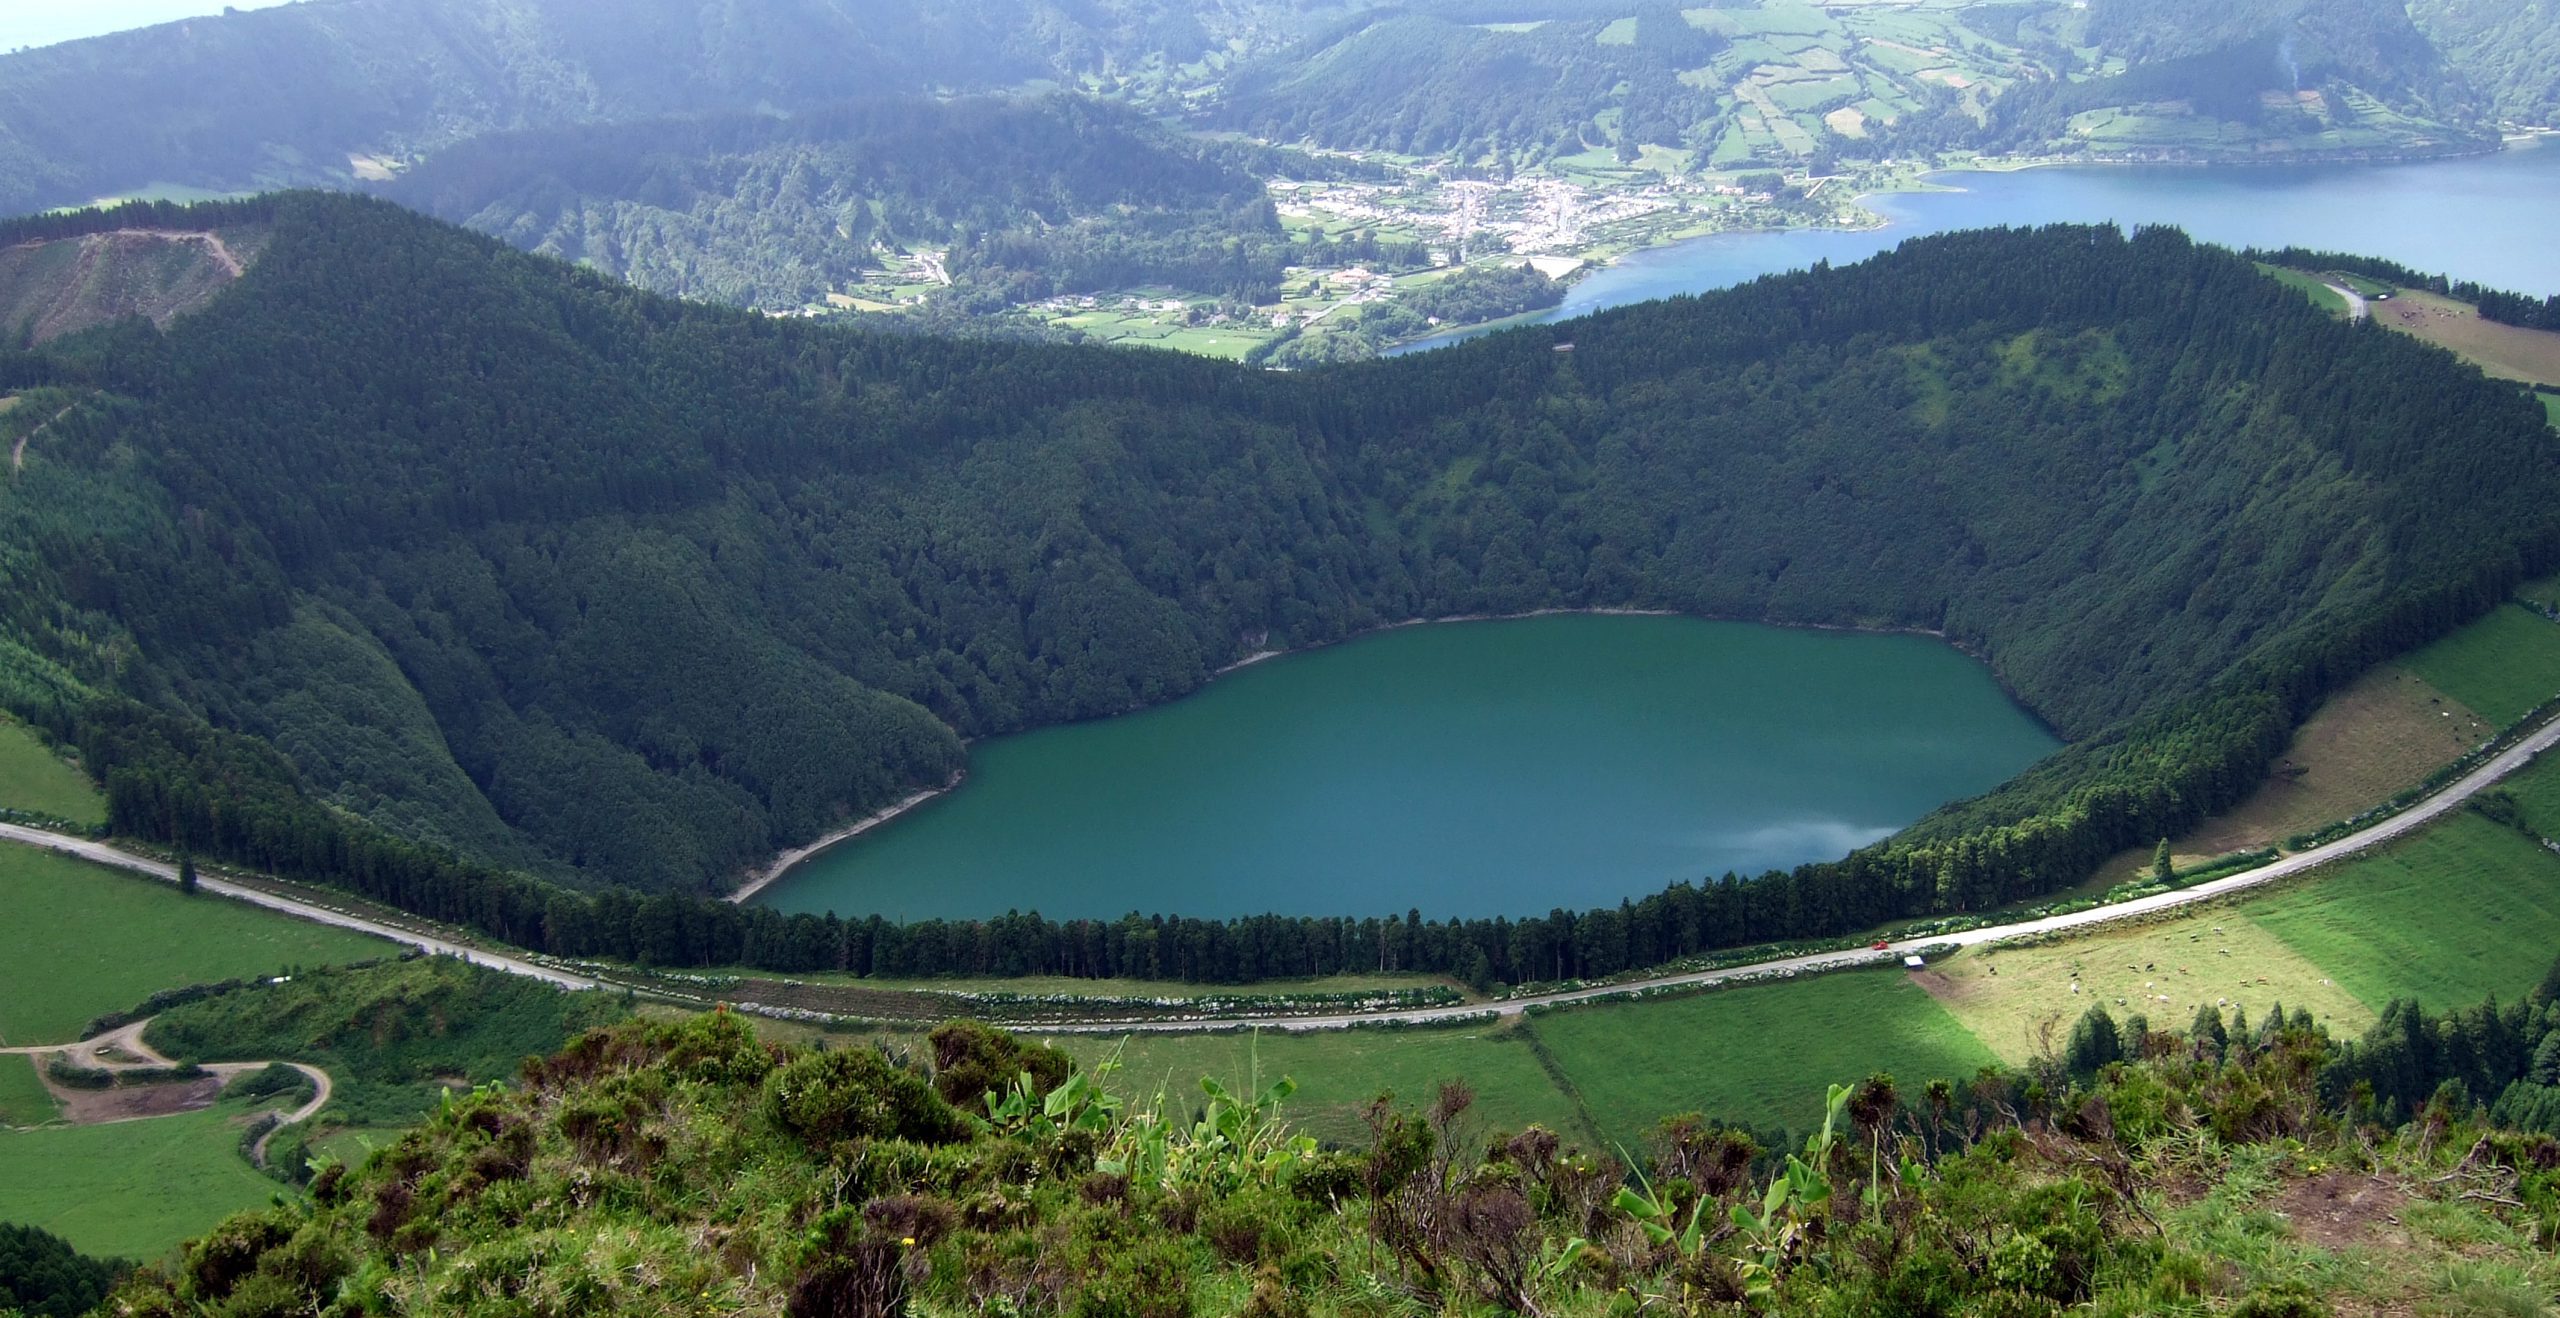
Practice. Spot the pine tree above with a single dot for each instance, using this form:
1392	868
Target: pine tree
187	872
2095	1042
2160	867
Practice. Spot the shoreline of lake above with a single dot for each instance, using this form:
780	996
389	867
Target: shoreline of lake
789	858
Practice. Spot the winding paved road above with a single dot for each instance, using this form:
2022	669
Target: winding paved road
2417	816
2357	308
91	1054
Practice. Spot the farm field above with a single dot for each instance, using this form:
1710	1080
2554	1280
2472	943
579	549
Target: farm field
2500	667
1760	1054
1339	1072
2463	910
133	1189
24	1101
79	940
2507	352
2020	1002
2310	286
2381	736
34	779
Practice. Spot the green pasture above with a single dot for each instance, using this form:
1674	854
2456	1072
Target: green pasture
132	1189
2310	286
24	1101
1339	1071
80	940
34	779
1761	1054
2465	909
2501	666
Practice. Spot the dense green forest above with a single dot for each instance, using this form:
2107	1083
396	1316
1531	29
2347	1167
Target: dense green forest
449	537
2510	51
1427	85
42	1276
1030	199
2242	64
688	1167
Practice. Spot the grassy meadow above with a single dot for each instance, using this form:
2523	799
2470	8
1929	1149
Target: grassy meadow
1338	1072
2463	910
34	779
24	1101
2310	286
1761	1054
80	940
133	1189
2500	667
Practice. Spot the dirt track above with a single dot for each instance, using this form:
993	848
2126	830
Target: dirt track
106	1052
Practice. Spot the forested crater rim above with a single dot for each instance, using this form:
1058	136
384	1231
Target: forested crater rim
447	535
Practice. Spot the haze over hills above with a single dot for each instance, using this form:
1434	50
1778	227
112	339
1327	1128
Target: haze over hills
2509	51
295	94
751	154
1023	199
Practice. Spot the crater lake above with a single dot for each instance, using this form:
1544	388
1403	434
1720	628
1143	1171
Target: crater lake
1463	769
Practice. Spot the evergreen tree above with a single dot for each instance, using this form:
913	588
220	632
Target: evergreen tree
187	881
2160	866
2094	1044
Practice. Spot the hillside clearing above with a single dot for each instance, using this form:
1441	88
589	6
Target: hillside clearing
2501	667
2365	745
34	779
2310	286
80	940
2507	352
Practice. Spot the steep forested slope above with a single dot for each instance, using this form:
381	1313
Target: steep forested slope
1031	198
2509	49
2337	76
1424	85
562	575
